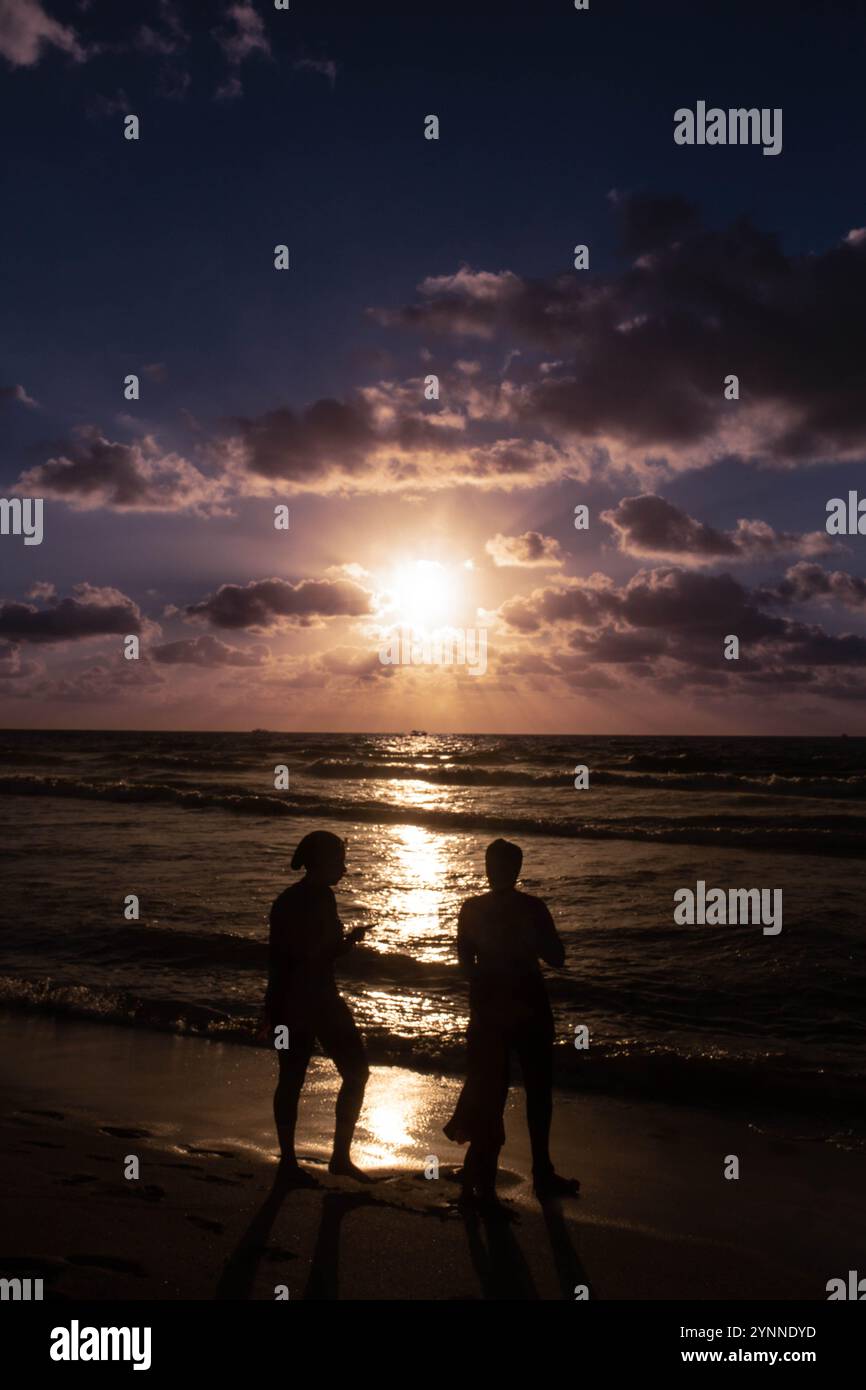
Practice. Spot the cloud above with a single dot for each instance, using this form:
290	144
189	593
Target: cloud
467	303
529	551
14	667
649	526
263	603
41	589
26	29
171	38
805	582
207	651
357	663
325	67
643	352
102	682
668	626
91	612
17	393
385	438
93	471
228	90
243	33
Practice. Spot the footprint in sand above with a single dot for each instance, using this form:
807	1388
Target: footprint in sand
149	1193
212	1177
46	1114
119	1132
42	1144
210	1153
75	1179
216	1227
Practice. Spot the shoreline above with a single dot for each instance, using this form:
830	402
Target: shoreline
814	1108
656	1219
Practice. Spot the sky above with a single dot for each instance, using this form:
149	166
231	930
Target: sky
432	387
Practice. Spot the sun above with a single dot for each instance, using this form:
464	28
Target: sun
424	595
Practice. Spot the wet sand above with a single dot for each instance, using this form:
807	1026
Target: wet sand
656	1218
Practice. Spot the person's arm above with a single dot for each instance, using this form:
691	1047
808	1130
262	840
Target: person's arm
550	947
280	959
349	940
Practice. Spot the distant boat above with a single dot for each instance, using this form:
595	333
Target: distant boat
418	733
261	731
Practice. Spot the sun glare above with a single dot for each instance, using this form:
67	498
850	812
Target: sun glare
424	595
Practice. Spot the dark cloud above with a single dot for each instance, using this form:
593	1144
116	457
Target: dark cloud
811	646
263	603
206	651
804	582
668	626
19	394
300	445
91	613
649	526
92	471
643	354
384	438
651	222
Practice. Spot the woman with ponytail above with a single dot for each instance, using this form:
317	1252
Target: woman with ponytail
306	937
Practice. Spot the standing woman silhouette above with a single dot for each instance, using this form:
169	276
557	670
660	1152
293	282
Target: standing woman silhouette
306	936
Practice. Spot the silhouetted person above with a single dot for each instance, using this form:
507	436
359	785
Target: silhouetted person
306	937
500	937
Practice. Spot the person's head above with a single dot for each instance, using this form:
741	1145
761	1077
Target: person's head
503	860
323	855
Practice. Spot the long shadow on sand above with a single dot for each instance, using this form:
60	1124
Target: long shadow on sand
569	1267
323	1280
499	1263
239	1273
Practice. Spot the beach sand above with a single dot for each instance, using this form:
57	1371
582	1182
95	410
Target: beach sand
655	1220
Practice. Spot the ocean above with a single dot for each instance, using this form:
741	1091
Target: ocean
191	823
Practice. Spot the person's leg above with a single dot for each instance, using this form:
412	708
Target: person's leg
343	1043
534	1046
482	1106
293	1063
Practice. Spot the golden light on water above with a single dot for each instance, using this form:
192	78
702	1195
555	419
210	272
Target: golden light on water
401	1110
414	906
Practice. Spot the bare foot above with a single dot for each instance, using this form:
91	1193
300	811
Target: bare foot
552	1185
345	1168
291	1174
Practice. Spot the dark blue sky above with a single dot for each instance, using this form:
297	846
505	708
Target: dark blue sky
161	250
